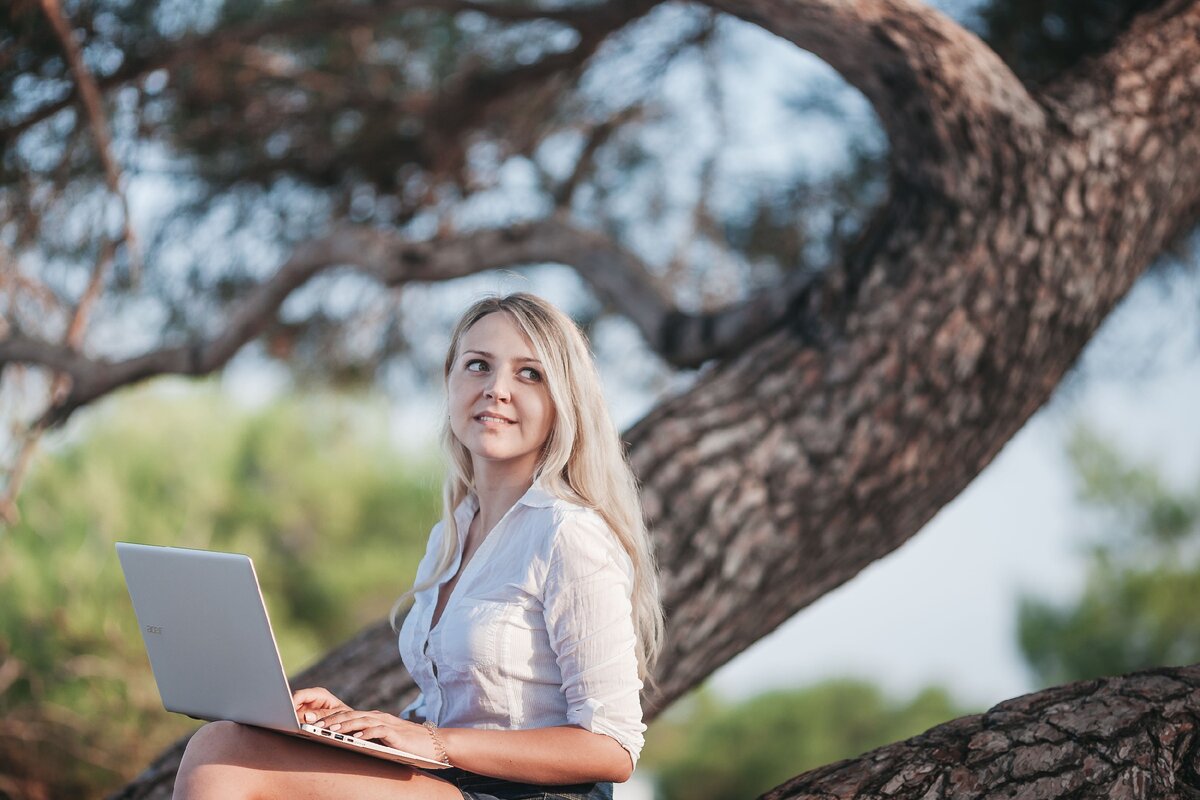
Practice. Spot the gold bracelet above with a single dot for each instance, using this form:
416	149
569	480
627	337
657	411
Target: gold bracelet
439	747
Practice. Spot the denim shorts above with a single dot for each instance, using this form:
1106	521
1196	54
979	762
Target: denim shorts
481	787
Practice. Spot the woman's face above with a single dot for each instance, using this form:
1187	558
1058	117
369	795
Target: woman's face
500	406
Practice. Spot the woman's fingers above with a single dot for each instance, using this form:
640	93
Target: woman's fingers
315	695
364	724
316	699
343	718
380	727
379	733
318	706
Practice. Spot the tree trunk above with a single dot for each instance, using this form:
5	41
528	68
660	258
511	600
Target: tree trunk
1016	223
1118	738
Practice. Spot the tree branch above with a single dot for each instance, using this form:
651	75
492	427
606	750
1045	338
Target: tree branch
98	122
617	275
470	97
59	387
790	467
1131	736
940	92
318	19
597	136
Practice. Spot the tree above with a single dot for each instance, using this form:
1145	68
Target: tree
838	408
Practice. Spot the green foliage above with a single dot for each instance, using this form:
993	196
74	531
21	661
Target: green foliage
1141	599
708	750
335	520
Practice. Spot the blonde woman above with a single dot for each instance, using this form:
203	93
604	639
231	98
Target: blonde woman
535	615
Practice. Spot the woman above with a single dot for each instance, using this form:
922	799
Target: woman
535	614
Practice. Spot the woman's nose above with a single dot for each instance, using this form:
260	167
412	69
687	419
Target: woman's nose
497	389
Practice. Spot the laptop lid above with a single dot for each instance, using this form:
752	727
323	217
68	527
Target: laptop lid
205	626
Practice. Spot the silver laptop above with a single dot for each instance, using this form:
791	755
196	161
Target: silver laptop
211	647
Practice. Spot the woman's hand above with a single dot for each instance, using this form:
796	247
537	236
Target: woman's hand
383	728
316	703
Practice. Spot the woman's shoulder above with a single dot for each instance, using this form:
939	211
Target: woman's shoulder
563	518
579	536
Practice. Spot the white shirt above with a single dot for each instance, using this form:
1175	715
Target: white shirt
537	632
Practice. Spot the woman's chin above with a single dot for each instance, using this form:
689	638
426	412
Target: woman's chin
500	455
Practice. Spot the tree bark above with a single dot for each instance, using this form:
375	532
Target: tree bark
1016	223
1118	738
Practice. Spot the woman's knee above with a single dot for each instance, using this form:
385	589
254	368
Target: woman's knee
214	762
218	741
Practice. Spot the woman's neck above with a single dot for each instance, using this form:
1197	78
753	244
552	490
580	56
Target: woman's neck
497	491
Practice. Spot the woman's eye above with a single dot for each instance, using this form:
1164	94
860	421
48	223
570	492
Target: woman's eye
476	365
531	374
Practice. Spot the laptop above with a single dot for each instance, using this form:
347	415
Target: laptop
205	626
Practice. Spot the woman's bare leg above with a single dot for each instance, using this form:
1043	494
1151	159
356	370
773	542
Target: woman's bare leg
226	760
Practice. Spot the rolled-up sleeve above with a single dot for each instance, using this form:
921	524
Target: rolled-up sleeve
415	711
589	620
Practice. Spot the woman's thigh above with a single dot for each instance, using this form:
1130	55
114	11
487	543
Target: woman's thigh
228	760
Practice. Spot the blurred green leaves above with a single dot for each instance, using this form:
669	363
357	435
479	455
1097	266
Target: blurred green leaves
1141	599
705	749
309	486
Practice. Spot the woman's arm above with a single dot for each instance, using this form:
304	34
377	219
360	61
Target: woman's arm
558	755
586	604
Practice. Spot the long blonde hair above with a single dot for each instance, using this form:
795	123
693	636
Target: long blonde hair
583	461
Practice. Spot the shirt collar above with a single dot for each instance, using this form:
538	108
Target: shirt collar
536	496
464	514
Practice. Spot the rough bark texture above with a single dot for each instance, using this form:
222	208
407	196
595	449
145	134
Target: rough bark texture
1120	738
1016	222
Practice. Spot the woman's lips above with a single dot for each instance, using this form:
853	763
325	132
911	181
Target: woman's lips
492	419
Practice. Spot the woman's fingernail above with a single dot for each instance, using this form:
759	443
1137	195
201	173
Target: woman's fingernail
320	723
337	726
310	717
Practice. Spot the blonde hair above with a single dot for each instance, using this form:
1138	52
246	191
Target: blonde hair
583	461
